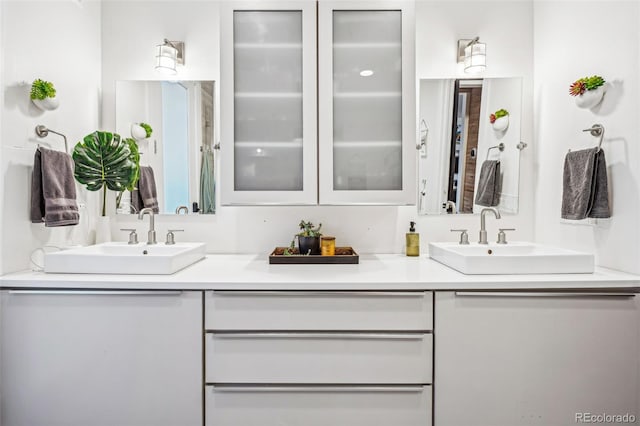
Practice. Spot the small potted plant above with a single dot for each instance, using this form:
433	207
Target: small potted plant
43	95
308	240
140	131
588	91
499	120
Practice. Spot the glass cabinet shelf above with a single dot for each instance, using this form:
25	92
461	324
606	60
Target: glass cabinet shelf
269	144
365	144
367	45
283	95
267	46
367	95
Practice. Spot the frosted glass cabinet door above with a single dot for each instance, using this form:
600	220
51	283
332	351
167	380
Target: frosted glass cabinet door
268	90
367	103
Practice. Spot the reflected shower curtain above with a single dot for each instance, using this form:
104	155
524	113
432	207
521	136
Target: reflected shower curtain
207	182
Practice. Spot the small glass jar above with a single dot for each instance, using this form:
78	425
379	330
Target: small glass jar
328	246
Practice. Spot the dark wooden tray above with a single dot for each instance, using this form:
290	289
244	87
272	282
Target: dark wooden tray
344	255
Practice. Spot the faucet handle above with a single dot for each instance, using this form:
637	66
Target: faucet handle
133	236
170	237
502	237
464	237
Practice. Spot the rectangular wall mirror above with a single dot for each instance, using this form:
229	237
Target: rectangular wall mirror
180	151
469	157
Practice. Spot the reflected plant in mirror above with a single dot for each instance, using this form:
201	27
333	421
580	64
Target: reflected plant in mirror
468	162
173	122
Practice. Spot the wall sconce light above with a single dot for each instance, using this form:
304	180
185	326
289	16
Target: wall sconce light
168	55
473	54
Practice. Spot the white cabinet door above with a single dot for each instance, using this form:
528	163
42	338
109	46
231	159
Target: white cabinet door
101	358
268	102
367	133
536	359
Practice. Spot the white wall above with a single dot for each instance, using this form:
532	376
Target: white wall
57	41
572	40
368	229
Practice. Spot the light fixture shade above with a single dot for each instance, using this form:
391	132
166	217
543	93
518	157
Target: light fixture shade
166	58
475	57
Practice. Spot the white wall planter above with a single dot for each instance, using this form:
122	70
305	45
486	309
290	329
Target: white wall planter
138	132
590	98
46	104
501	123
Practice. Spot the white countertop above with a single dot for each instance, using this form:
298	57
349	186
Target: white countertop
375	272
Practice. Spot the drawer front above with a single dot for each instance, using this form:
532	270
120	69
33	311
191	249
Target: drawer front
318	310
313	406
395	358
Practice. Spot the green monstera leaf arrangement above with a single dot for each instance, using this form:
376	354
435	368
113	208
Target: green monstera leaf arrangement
105	161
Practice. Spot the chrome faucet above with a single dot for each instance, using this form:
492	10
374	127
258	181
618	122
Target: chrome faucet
152	232
483	228
449	206
182	209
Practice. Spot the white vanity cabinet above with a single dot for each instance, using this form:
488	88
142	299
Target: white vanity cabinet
509	359
318	96
318	358
78	358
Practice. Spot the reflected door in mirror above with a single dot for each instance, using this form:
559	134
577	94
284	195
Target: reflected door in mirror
464	143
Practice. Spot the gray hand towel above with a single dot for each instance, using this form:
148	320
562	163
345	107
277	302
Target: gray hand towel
146	195
488	193
53	189
585	188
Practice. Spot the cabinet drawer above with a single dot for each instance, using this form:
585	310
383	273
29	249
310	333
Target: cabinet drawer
278	357
318	406
318	310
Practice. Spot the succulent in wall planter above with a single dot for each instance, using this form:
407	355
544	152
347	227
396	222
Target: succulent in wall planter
588	91
140	131
499	120
308	240
43	95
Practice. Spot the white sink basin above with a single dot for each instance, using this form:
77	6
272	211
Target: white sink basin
122	258
511	258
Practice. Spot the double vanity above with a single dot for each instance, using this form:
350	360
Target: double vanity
232	340
488	333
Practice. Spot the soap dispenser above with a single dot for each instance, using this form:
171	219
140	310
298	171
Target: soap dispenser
413	241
